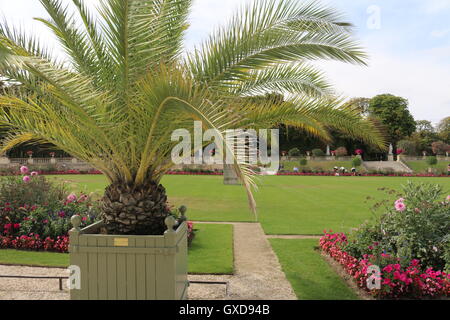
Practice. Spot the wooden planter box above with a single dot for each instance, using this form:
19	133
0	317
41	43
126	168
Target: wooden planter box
129	267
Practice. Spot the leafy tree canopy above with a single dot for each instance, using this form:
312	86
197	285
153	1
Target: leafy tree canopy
394	114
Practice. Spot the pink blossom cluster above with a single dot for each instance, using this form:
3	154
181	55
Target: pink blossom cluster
396	282
34	242
25	171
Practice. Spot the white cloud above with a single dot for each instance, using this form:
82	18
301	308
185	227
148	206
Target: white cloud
436	6
440	33
421	79
206	15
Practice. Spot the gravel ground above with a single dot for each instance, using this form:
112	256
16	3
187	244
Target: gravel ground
258	275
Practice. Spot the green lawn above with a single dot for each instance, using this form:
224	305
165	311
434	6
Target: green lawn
211	253
422	166
33	258
212	250
286	204
309	274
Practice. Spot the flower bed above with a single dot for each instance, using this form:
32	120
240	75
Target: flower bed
409	244
35	213
412	281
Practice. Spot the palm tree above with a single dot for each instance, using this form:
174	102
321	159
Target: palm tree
127	84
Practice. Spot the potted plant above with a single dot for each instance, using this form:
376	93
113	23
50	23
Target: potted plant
128	88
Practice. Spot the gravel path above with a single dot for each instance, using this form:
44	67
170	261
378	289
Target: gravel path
258	275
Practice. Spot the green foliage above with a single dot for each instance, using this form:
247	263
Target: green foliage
440	148
356	162
38	191
294	152
394	114
444	130
318	153
432	161
303	161
409	147
421	231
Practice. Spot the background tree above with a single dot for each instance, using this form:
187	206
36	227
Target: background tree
409	147
440	148
394	114
424	136
360	104
444	130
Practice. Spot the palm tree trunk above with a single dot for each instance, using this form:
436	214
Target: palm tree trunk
139	210
229	175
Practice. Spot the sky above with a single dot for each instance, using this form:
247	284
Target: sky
408	42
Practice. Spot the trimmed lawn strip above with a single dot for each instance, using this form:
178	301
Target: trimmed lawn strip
34	258
212	250
211	253
310	275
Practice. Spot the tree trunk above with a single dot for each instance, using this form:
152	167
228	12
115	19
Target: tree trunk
137	210
229	175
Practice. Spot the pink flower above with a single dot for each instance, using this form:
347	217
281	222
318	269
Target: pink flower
388	269
24	169
448	198
17	226
400	206
71	197
34	173
401	200
26	179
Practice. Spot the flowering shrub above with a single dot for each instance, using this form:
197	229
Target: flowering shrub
35	213
410	242
416	226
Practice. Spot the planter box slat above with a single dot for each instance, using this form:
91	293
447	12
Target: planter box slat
121	276
140	275
112	276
